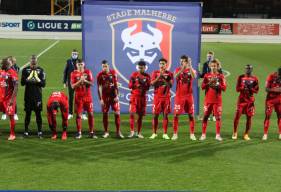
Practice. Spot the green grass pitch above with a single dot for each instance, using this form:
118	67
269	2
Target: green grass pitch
133	164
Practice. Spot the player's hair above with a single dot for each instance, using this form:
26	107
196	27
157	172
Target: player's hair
184	57
79	61
141	63
216	61
163	59
249	65
33	59
5	63
104	62
74	50
12	58
211	52
55	105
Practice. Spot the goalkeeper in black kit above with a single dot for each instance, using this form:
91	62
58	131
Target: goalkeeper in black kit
33	78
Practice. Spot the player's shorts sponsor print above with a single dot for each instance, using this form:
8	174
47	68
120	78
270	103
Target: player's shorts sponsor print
8	109
184	105
115	106
246	108
161	105
138	105
80	106
213	107
273	104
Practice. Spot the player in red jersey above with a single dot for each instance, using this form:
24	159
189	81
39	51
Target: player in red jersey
139	84
9	86
184	98
81	82
273	100
108	95
3	77
214	83
57	100
162	80
247	85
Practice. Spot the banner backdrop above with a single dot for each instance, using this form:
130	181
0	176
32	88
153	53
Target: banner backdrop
125	32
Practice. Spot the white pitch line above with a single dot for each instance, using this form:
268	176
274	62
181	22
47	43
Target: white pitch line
227	73
41	53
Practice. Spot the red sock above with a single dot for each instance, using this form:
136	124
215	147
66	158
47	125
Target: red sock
117	123
266	125
155	124
54	120
218	126
176	124
78	123
248	124
91	122
165	125
204	125
105	122
132	122
279	124
12	125
139	123
191	125
236	122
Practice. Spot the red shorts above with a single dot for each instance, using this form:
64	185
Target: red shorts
246	108
216	108
161	105
273	103
138	105
83	104
184	105
115	106
8	110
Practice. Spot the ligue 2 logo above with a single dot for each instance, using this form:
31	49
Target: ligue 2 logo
30	25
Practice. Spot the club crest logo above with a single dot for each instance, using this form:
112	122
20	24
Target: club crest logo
139	39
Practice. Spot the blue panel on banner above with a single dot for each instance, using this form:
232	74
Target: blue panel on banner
124	33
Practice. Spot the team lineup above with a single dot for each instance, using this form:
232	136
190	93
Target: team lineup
80	80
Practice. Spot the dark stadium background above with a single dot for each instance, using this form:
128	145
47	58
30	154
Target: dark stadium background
212	8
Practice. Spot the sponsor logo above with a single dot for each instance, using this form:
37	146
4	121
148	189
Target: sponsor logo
52	25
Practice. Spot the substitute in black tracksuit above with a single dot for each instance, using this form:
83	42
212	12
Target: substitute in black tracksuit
34	79
17	69
69	68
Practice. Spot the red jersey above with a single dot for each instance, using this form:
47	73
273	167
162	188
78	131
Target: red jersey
184	83
161	89
3	84
108	81
59	97
273	81
83	90
214	84
12	77
247	86
139	83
